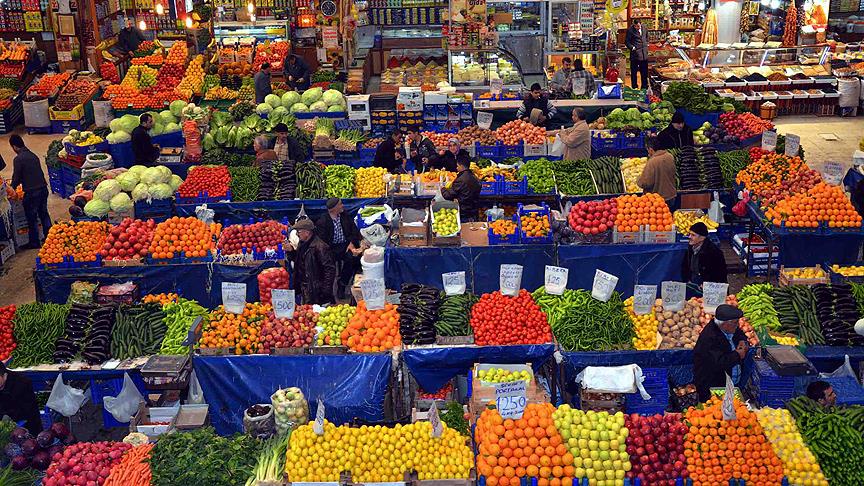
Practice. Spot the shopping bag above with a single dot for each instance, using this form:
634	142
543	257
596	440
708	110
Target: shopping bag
196	394
613	379
125	404
64	399
557	148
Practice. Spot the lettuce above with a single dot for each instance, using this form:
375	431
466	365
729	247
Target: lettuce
335	108
129	122
290	98
311	95
166	117
128	180
175	181
96	208
332	97
141	192
299	108
273	100
221	118
171	128
116	125
137	170
161	191
263	108
318	107
176	107
152	175
121	203
107	189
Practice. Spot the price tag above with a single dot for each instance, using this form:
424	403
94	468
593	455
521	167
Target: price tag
318	426
604	285
435	420
484	119
793	144
283	302
496	86
832	172
644	297
555	280
454	283
510	279
510	399
672	295
713	294
234	297
769	140
579	86
373	293
728	405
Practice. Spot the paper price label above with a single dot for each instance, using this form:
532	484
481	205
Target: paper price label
283	302
234	297
644	297
510	399
793	144
484	119
373	293
728	405
769	140
454	283
833	172
604	285
435	420
510	279
318	426
555	279
579	86
672	295
713	294
496	86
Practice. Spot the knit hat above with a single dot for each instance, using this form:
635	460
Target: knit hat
700	229
304	224
332	202
727	312
678	117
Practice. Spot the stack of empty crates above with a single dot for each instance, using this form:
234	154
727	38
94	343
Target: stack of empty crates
656	383
768	388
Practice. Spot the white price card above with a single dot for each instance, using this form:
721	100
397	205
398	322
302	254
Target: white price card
769	140
555	280
435	420
713	294
644	297
579	86
373	293
454	283
484	119
728	405
511	398
496	86
604	285
510	279
283	302
234	297
833	172
318	425
672	295
793	144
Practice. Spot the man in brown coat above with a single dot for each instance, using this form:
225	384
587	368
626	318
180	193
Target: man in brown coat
658	176
577	139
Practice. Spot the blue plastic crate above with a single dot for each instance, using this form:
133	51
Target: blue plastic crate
544	211
695	121
173	139
85	150
848	390
512	188
99	389
488	151
512	150
122	154
503	240
344	155
179	258
768	388
488	188
603	143
55	180
367	153
63	126
71	175
201	198
625	142
68	262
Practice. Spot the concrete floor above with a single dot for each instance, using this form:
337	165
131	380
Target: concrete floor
16	278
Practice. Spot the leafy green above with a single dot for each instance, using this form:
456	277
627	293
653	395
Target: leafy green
221	118
693	98
202	457
241	110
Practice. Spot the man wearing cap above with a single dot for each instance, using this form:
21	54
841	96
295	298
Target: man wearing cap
344	239
446	159
676	135
704	261
719	351
314	268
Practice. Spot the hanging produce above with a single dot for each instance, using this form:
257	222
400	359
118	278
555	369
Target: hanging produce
790	29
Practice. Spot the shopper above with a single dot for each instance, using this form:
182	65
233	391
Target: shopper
422	150
465	189
297	72
536	100
704	261
314	268
560	82
145	151
822	393
17	400
262	83
577	138
637	41
446	159
129	37
286	148
263	152
676	135
343	237
658	175
390	153
579	72
27	172
720	351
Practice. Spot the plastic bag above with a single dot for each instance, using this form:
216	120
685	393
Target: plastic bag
125	404
613	379
262	426
204	214
375	254
64	399
843	371
196	394
290	407
557	148
81	292
375	234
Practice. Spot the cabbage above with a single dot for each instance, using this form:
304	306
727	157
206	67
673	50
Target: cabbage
128	181
161	191
141	192
318	107
311	95
166	173
118	137
332	97
175	181
279	112
152	175
121	203
335	108
116	125
129	122
264	108
176	107
167	117
137	170
96	208
157	129
290	98
171	128
299	108
273	100
107	189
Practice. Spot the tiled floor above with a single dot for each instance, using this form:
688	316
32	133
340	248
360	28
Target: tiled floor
16	280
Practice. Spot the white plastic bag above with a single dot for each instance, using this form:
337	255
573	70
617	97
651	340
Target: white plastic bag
557	147
375	234
125	404
64	399
196	394
613	379
204	214
844	370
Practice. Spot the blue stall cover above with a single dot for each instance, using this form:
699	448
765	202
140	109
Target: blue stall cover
350	386
197	281
796	250
240	212
434	367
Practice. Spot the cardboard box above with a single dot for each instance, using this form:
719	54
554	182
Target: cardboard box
153	414
475	234
76	113
435	98
415	233
409	99
448	240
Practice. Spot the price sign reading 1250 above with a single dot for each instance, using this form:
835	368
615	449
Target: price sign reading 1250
511	398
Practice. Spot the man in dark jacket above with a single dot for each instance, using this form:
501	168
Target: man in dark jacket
27	173
536	101
720	351
446	159
146	153
704	261
637	41
18	401
130	37
465	189
422	150
343	237
390	153
314	268
297	72
262	84
676	135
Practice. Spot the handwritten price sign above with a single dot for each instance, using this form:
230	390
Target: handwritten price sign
511	399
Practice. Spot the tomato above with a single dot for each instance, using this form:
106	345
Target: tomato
500	320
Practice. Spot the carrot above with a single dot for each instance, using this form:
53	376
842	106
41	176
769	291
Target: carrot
132	470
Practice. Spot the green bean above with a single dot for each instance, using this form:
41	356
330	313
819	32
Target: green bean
580	322
37	327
